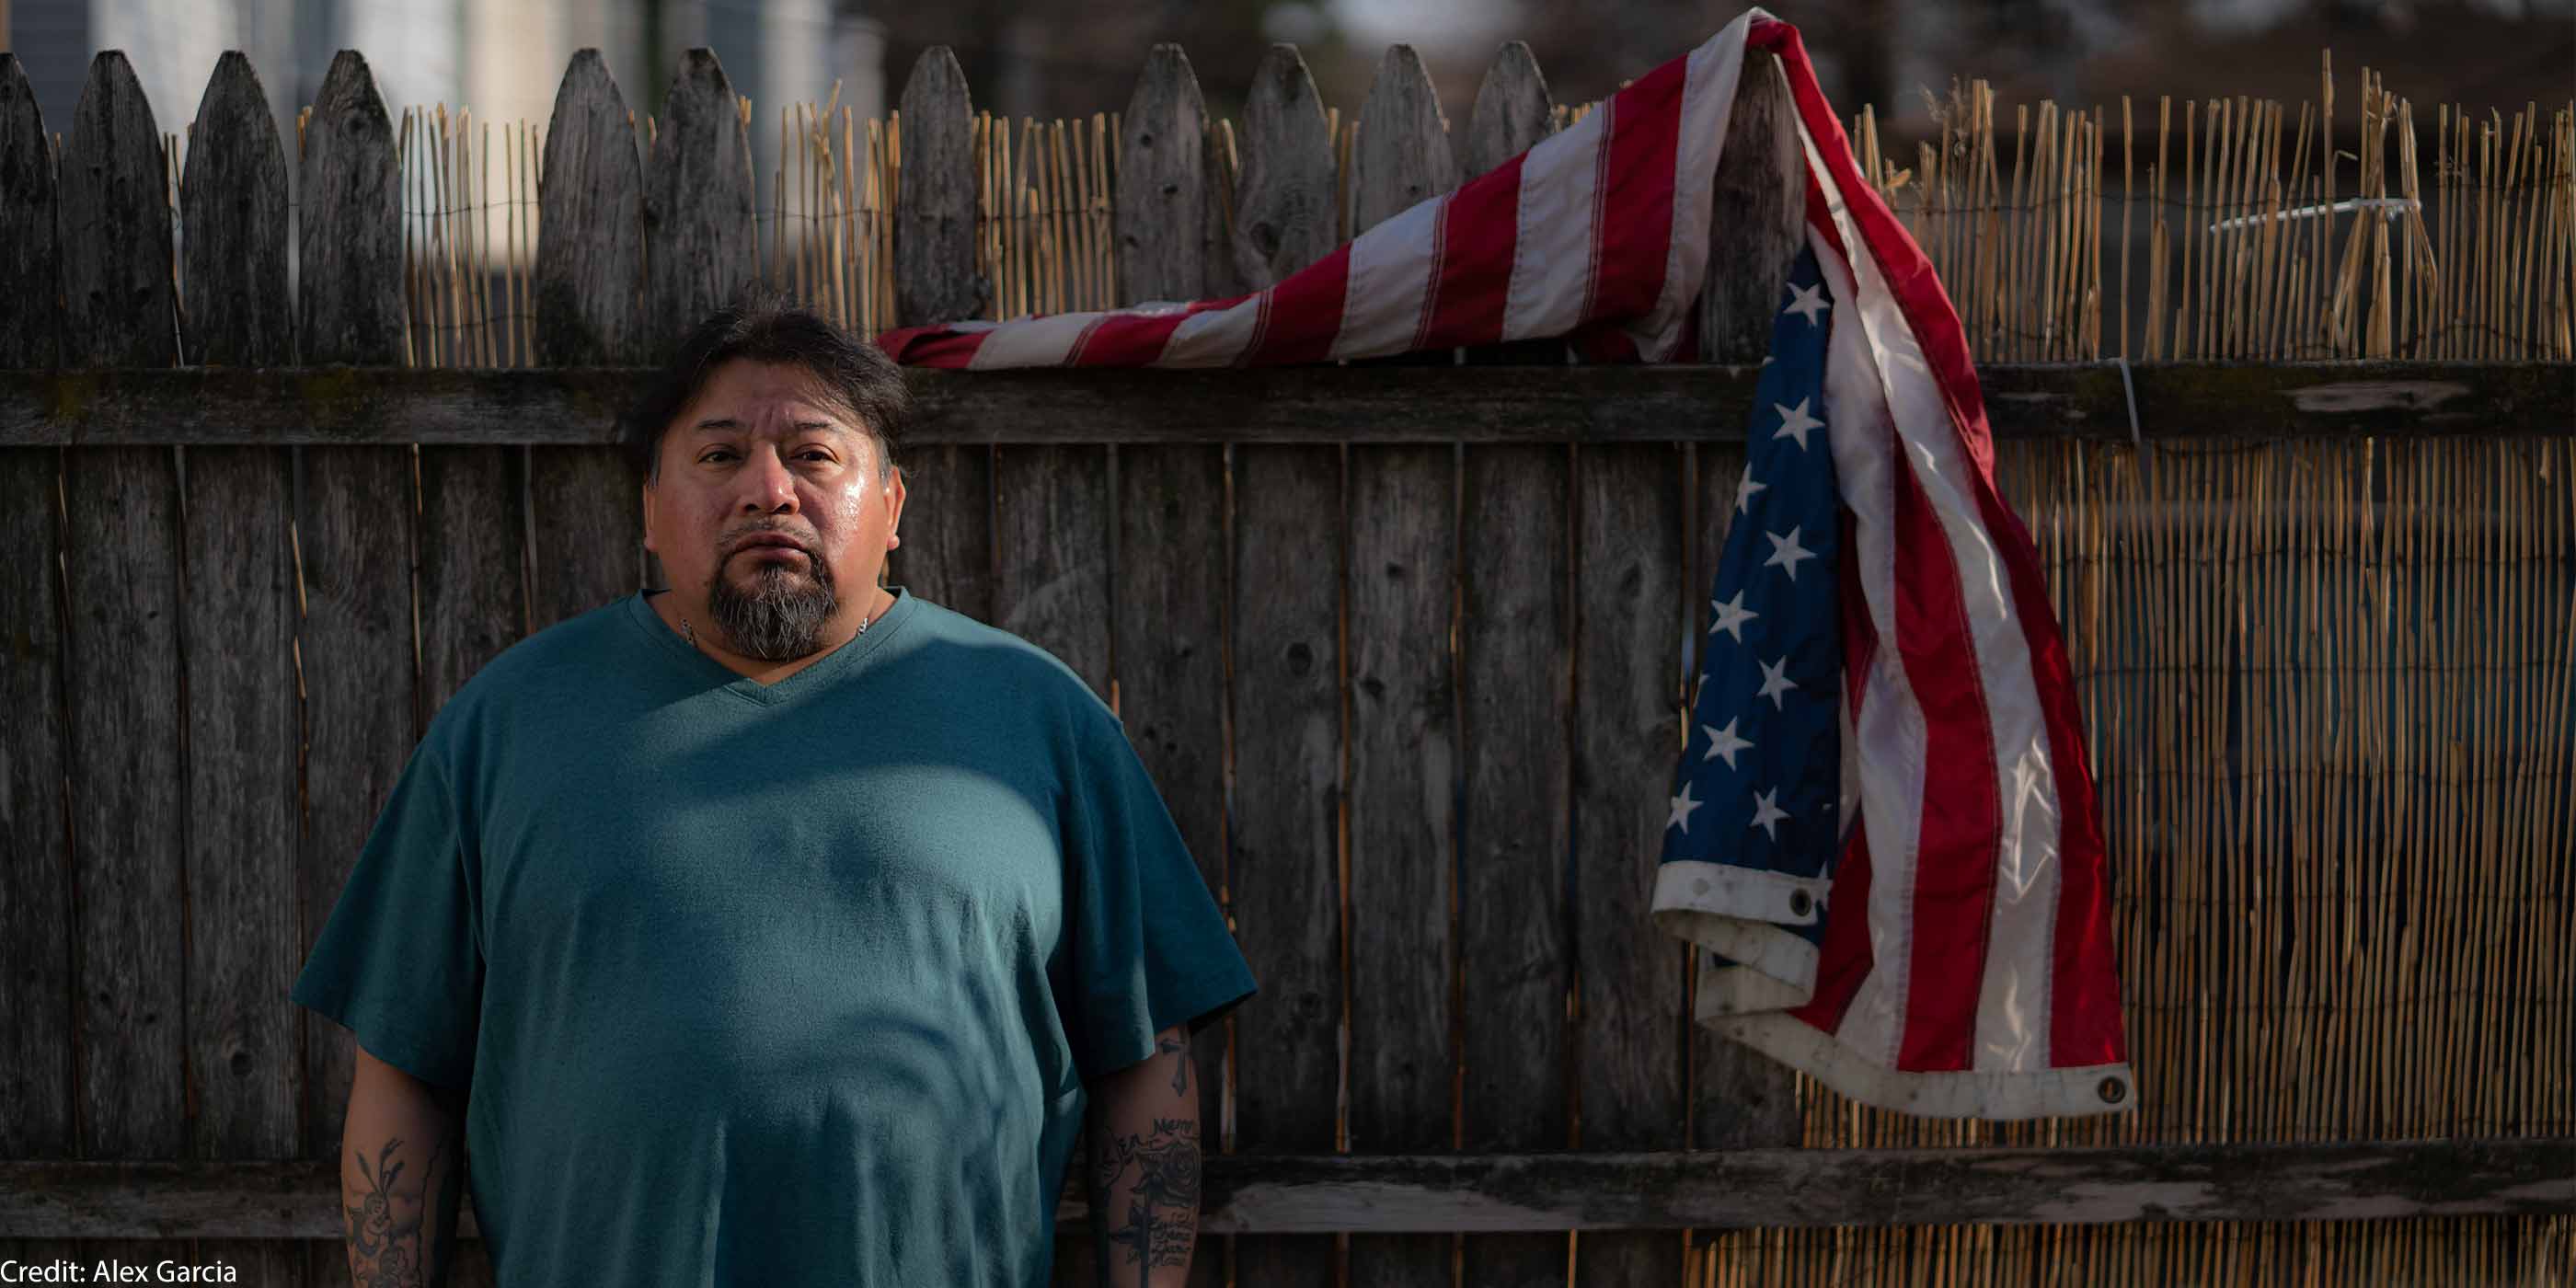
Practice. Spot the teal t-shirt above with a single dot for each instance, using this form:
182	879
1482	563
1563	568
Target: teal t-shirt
779	985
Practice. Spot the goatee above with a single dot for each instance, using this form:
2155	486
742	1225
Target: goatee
782	618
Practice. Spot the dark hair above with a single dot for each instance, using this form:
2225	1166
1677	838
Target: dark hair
761	325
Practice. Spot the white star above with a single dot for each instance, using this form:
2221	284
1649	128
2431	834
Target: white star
1807	302
1723	744
1795	422
1682	807
1775	681
1745	489
1731	616
1786	552
1767	812
1766	359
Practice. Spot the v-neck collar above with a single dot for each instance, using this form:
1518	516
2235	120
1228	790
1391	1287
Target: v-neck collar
841	660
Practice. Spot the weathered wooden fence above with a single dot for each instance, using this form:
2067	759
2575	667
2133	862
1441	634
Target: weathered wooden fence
1405	646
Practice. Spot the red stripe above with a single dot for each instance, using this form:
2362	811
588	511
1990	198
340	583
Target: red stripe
1132	340
2084	1002
1843	961
931	346
1955	848
1479	231
1305	313
1860	634
1634	224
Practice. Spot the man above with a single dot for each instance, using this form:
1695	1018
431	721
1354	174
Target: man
780	927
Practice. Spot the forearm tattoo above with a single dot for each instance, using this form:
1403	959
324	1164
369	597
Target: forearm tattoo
1145	1191
391	1246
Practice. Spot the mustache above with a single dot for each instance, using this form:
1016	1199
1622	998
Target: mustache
735	542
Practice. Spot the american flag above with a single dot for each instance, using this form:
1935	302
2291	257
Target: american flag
1882	836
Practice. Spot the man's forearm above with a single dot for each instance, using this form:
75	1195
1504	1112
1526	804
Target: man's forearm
401	1174
1144	1168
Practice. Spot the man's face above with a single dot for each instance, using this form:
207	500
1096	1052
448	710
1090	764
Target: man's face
760	456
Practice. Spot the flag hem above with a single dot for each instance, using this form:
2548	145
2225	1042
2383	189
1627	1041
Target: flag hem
2041	1093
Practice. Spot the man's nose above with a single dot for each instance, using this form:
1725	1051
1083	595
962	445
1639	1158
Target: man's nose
772	484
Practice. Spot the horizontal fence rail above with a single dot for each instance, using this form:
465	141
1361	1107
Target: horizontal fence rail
1519	404
1537	1193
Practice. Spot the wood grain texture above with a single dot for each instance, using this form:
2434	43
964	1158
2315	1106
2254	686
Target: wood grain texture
1167	609
1402	582
353	520
1284	217
1631	611
1741	1099
934	218
353	509
129	822
243	722
588	534
1286	597
232	202
1403	792
947	529
1378	404
1403	156
1511	114
238	616
699	234
1558	1190
28	265
348	243
1515	641
1051	527
36	953
472	565
1167	614
1756	216
585	542
589	274
112	225
1162	199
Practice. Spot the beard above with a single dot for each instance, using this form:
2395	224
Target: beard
781	617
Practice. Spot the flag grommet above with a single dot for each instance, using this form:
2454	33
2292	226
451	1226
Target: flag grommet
1799	903
2113	1091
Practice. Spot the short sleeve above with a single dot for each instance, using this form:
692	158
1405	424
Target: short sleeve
400	963
1149	946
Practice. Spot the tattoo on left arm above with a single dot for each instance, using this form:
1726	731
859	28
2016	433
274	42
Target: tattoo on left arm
1149	1184
1177	1042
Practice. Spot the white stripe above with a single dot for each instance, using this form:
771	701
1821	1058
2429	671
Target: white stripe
1391	268
1740	990
2012	1021
2035	1093
1212	339
1708	99
1885	751
1552	231
1032	342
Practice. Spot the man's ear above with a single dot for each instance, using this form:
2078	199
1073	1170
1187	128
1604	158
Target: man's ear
648	516
894	509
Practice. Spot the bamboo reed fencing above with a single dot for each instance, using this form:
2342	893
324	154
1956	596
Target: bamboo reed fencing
2326	672
2186	231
